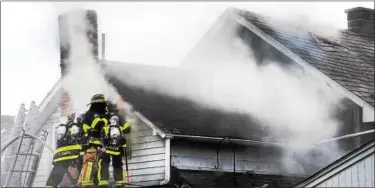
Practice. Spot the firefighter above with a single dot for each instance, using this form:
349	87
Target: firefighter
78	120
92	124
114	143
95	119
113	110
67	152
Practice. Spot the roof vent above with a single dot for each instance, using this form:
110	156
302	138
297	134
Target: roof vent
331	45
361	20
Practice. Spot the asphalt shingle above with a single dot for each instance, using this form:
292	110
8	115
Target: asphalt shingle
350	62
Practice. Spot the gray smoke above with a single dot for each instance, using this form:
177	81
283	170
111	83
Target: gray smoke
84	77
223	74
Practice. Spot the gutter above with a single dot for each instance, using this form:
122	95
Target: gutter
233	140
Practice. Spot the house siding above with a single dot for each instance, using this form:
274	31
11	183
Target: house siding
203	156
360	174
147	162
355	169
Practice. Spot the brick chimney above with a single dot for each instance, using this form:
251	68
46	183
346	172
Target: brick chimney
92	35
361	20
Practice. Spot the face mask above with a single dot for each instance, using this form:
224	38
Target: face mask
98	107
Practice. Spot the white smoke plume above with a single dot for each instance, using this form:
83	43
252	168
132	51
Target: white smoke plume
299	17
224	75
84	77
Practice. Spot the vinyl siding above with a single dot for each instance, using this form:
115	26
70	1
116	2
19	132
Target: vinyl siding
360	174
356	169
147	162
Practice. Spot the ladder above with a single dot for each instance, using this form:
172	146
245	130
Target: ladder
11	150
22	159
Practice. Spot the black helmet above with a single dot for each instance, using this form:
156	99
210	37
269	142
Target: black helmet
98	104
98	98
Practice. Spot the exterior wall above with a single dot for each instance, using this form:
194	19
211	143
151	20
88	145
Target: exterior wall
203	156
45	164
147	162
360	174
355	169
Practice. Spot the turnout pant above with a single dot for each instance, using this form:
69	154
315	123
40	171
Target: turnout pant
118	174
58	171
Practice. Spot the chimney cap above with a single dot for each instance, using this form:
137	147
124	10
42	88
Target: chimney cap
358	9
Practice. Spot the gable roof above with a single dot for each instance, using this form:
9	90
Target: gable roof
339	165
349	61
177	116
347	64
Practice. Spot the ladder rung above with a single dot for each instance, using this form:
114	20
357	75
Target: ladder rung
24	171
9	157
32	154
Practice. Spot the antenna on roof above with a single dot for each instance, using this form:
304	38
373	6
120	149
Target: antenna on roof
103	47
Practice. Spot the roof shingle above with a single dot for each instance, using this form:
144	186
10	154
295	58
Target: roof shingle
349	61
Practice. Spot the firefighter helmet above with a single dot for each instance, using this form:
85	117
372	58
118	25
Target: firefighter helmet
98	98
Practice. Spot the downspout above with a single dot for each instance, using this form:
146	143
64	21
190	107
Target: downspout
167	162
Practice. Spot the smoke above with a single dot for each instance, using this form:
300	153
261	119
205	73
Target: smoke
300	17
223	73
84	77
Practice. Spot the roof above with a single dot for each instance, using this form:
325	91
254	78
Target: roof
338	165
349	63
179	116
349	60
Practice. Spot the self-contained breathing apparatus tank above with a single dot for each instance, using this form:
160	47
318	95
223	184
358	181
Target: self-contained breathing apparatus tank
114	130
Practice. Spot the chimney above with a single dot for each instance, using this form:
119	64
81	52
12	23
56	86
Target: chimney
361	20
103	47
92	35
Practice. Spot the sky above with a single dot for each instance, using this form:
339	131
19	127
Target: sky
156	33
